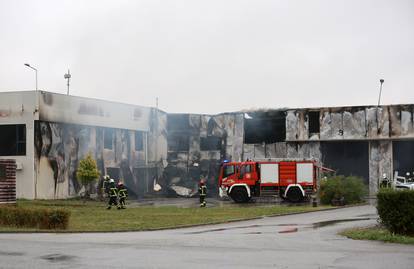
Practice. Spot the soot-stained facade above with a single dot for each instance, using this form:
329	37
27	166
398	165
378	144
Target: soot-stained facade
48	134
59	147
366	141
197	144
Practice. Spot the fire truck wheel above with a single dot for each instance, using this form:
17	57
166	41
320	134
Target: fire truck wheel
239	195
294	195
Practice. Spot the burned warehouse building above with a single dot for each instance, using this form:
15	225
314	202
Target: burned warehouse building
48	134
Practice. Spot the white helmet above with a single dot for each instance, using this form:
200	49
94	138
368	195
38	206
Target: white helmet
111	180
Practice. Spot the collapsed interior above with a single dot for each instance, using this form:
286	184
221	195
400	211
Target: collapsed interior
403	157
348	158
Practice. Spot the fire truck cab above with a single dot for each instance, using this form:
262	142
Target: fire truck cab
291	179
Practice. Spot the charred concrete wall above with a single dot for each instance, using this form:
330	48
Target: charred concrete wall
196	146
145	145
60	147
352	123
128	142
331	135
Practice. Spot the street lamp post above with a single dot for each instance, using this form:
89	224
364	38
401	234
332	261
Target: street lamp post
28	65
379	97
379	101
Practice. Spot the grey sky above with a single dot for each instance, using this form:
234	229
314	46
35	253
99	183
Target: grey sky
212	56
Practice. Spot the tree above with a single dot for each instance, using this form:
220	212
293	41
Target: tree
87	173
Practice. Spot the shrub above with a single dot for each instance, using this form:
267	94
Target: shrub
349	190
396	210
34	218
87	173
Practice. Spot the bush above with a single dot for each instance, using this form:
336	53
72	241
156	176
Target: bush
396	210
87	173
36	218
348	190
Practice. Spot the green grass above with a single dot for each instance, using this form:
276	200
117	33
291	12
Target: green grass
378	234
93	216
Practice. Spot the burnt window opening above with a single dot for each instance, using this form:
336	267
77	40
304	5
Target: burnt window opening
139	141
13	140
314	123
113	173
210	143
402	152
178	142
265	127
108	138
348	158
178	122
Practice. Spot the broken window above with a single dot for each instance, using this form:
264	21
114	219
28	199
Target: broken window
178	142
178	126
139	141
13	140
108	138
314	123
265	127
113	173
178	122
210	143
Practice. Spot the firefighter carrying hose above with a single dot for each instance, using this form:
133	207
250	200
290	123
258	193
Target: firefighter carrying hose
122	194
113	194
202	190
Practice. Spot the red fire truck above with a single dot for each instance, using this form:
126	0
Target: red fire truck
291	179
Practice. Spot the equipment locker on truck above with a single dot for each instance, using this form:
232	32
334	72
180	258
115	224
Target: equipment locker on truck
292	179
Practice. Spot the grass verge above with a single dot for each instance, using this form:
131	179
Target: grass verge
93	216
377	233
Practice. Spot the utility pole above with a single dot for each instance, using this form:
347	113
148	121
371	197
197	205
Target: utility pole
67	76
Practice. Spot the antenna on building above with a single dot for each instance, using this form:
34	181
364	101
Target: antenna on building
67	76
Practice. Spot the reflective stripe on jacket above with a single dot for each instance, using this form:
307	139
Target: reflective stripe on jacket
123	193
202	190
113	192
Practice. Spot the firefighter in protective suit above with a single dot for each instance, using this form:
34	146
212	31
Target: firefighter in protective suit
105	187
113	194
122	194
202	190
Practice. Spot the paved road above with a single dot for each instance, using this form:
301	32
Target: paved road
297	241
